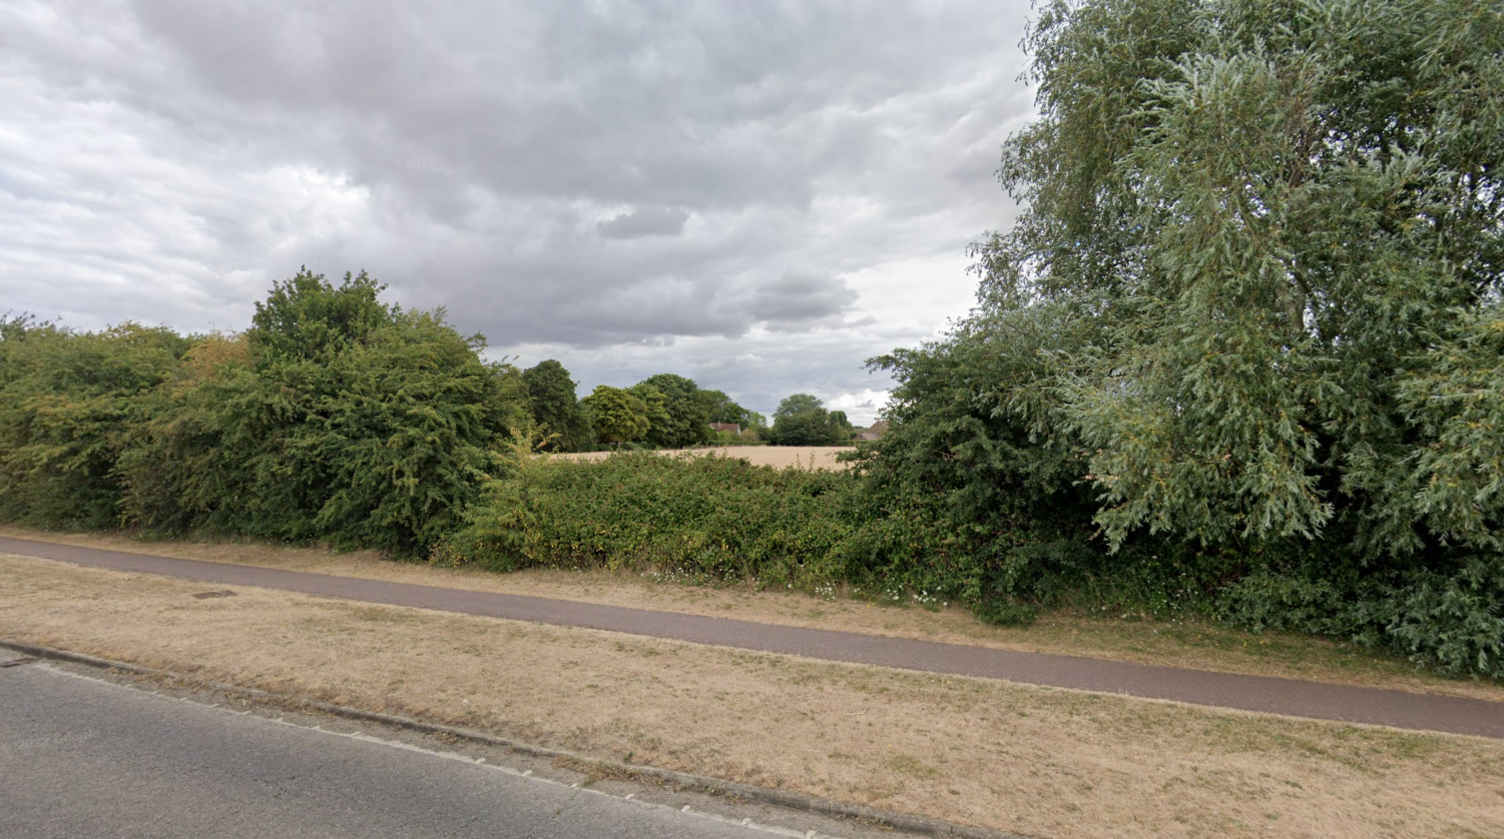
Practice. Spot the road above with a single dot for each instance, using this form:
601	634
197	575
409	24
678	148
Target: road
81	757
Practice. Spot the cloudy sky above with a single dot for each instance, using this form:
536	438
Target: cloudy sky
757	195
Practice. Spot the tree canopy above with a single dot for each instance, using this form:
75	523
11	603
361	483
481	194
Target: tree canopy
563	423
718	407
618	415
1278	218
334	417
802	420
1252	306
683	420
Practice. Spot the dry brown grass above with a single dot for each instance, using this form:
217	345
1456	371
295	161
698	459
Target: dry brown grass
778	457
1178	644
1032	760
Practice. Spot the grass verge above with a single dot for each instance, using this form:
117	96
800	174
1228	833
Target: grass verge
1030	760
1191	644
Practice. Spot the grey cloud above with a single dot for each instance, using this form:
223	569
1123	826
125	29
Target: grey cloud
649	221
167	160
799	298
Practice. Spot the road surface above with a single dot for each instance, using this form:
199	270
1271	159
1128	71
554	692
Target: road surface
81	757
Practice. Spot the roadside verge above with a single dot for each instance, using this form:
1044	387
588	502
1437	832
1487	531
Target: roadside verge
1260	694
907	822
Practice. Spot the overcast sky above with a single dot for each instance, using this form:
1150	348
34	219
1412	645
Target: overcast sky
756	195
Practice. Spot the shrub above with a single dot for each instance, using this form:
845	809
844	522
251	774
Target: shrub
713	517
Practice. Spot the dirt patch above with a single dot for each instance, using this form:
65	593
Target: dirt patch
1031	760
778	457
1188	644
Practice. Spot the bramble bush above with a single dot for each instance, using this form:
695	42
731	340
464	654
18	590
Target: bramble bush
711	517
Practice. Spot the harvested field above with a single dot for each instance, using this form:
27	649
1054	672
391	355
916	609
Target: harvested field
778	457
1032	760
1192	644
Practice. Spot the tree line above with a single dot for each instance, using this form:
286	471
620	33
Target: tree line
666	411
334	417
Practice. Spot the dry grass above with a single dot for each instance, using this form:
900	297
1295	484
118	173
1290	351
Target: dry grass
1031	760
778	457
1178	644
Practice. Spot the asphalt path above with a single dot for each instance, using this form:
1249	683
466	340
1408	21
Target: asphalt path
1291	697
82	758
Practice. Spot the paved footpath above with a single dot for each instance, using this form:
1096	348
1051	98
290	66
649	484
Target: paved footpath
1264	694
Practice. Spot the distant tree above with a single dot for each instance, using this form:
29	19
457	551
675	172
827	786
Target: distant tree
556	409
841	427
802	420
797	403
718	407
685	420
657	409
618	415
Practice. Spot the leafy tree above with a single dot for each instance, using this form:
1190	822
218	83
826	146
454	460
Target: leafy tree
718	407
796	404
307	318
1281	214
841	427
336	418
684	420
802	420
556	409
976	487
618	415
656	405
1271	238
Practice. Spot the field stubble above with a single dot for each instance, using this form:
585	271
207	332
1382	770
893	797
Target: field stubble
778	457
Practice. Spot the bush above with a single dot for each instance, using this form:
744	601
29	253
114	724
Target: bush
67	402
1453	621
711	517
335	417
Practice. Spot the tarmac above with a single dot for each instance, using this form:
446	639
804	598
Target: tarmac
1260	694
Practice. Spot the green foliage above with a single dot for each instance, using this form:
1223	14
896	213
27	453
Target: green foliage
1248	332
975	488
66	401
1278	215
1452	619
306	318
802	420
655	406
681	419
710	517
335	418
618	415
561	420
718	407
